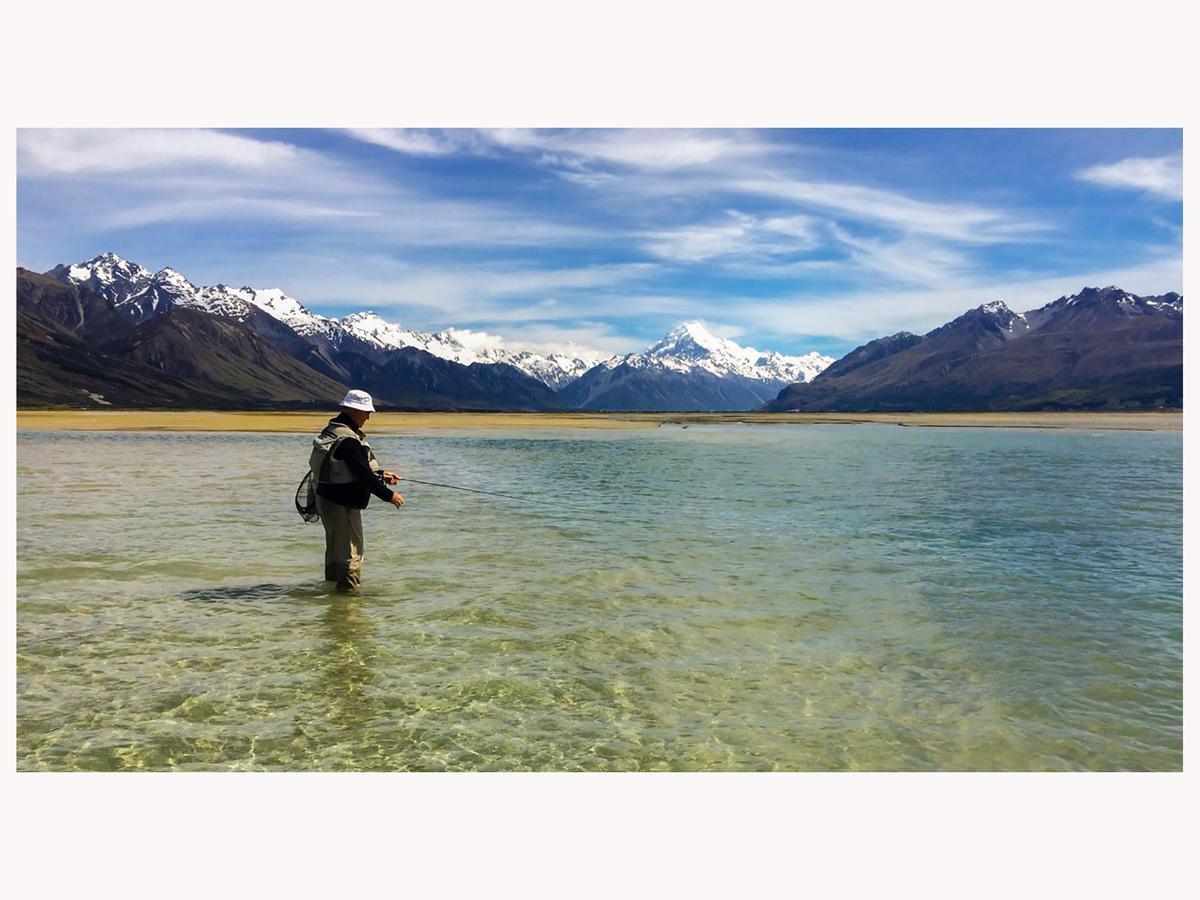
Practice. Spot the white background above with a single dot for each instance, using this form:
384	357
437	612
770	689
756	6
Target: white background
747	64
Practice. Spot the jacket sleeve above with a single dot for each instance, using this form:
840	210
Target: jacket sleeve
351	452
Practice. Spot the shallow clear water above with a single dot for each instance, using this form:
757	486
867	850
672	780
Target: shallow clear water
732	597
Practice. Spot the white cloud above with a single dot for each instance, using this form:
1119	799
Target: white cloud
129	178
908	260
468	288
477	340
586	340
578	153
422	142
966	223
261	208
434	297
1159	175
740	234
653	149
54	151
867	315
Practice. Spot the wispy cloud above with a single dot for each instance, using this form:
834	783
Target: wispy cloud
1161	176
584	156
432	296
144	177
904	261
961	222
423	141
71	151
863	316
738	233
650	149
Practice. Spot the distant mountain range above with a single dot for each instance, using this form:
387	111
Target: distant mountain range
111	332
690	369
1103	348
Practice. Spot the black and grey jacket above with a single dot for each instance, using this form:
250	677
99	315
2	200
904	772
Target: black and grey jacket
344	466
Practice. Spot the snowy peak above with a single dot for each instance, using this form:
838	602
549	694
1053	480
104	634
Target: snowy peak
170	278
286	309
1117	299
107	269
108	275
466	347
691	340
555	370
994	317
691	346
371	327
1093	306
223	300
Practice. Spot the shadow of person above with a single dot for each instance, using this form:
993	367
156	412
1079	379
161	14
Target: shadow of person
240	593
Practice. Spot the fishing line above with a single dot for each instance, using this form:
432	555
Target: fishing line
595	515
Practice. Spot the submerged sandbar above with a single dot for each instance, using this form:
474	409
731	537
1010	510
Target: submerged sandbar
392	422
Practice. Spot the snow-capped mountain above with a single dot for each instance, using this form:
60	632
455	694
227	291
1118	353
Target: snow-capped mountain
691	369
107	275
553	369
691	346
139	294
133	290
1093	305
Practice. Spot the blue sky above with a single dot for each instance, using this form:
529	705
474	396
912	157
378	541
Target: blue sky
791	240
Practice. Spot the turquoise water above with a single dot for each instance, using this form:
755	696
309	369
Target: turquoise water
834	597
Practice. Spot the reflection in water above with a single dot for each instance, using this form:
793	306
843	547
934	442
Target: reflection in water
346	672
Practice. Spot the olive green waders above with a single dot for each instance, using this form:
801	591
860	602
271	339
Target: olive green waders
343	543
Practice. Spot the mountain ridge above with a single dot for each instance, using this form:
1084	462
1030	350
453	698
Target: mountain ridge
1102	348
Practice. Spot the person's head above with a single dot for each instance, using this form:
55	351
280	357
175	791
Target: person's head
357	406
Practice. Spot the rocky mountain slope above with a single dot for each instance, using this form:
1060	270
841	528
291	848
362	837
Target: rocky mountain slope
1103	348
228	335
74	349
137	293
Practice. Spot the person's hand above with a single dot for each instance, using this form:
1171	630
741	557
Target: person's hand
390	478
396	501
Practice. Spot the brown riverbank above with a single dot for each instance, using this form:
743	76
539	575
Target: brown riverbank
384	423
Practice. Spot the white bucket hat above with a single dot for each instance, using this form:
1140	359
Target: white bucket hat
360	400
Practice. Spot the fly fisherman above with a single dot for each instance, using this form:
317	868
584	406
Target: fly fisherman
346	474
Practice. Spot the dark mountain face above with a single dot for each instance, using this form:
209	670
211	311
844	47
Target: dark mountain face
1100	349
414	379
1103	308
152	352
626	388
224	354
75	349
81	314
56	369
870	352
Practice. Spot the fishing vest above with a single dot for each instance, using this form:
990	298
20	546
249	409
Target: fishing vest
327	470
